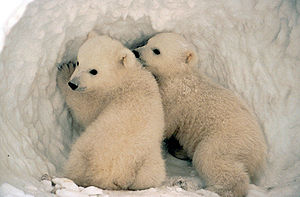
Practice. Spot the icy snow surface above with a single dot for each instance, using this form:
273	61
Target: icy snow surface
249	46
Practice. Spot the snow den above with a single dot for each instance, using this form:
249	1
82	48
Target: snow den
249	46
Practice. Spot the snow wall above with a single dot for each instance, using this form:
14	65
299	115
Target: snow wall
249	46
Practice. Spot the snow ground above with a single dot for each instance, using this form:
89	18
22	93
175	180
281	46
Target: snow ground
249	46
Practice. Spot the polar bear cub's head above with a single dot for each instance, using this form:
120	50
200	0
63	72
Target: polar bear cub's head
101	63
166	54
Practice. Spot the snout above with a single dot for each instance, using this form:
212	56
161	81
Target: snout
136	53
73	86
74	83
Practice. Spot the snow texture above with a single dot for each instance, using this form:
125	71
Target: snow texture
249	46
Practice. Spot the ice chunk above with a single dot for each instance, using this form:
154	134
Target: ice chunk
92	191
70	193
65	184
47	185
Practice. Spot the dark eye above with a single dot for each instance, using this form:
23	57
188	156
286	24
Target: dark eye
77	63
156	51
93	72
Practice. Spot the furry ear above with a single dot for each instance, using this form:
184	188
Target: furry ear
127	58
191	57
92	34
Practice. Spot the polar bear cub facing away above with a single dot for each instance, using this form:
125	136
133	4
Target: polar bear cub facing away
214	127
119	105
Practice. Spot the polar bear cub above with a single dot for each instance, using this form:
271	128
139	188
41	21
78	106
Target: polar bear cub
216	129
119	105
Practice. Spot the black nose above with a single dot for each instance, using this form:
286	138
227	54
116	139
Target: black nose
73	86
136	53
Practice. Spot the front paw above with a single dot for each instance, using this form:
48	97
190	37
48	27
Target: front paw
64	73
66	69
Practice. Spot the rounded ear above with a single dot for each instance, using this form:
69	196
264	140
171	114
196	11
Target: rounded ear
92	34
127	58
191	57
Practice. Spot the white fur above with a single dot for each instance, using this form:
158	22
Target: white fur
213	125
121	110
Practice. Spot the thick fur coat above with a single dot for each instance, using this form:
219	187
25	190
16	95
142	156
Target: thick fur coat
118	104
214	126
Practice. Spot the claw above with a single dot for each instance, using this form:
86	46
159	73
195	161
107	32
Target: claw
59	67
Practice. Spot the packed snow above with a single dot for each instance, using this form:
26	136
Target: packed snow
249	46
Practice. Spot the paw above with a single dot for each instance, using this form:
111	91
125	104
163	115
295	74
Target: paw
122	184
67	69
64	73
124	181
